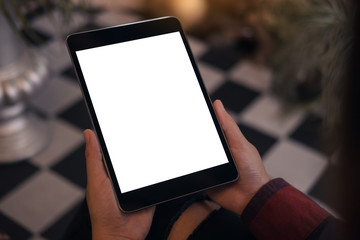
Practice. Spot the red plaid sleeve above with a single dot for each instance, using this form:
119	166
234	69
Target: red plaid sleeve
279	211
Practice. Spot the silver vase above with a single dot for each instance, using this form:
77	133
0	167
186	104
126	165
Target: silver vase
22	74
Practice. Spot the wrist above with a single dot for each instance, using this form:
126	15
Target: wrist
98	235
240	203
106	235
244	197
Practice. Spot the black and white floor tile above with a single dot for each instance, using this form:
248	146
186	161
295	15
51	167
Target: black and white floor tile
38	196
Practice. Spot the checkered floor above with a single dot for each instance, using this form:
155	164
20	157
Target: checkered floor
38	196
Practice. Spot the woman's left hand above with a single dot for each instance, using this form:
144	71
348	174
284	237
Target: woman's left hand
107	221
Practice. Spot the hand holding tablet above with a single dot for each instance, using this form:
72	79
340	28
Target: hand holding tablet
158	132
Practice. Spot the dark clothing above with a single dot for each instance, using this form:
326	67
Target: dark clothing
277	211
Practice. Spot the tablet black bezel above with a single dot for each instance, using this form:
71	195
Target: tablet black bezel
174	188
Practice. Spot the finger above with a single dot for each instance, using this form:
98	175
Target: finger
94	165
234	136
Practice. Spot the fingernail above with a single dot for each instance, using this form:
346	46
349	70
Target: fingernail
86	136
221	106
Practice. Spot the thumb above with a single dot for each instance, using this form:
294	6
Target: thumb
94	165
233	135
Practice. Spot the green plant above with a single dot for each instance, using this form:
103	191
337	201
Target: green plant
16	12
316	53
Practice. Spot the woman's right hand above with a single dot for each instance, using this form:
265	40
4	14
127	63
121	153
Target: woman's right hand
252	174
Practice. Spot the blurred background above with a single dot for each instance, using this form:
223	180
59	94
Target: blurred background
275	64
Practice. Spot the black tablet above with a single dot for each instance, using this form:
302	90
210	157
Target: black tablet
157	129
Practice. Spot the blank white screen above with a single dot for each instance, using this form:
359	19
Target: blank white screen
151	110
